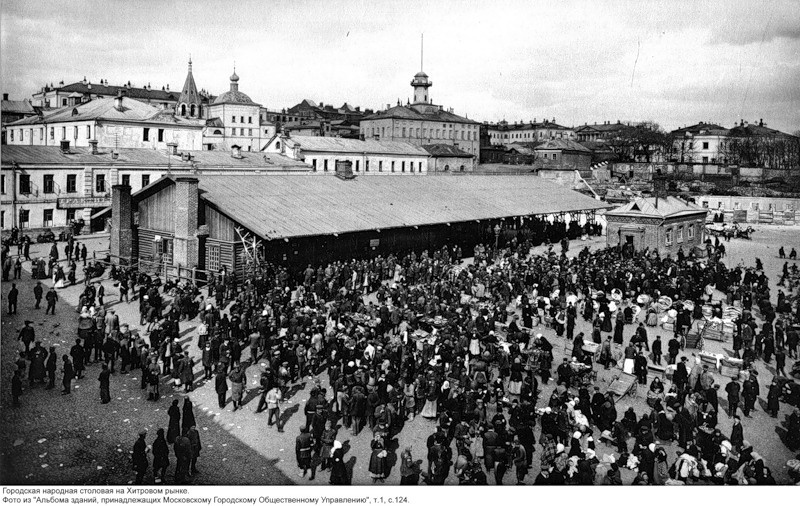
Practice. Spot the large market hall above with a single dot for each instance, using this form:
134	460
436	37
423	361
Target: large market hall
208	221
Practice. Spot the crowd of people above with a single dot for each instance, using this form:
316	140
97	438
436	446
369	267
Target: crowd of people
431	336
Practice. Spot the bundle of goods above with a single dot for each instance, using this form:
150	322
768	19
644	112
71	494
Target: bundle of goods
616	294
713	330
643	299
731	367
707	311
668	320
664	303
714	359
590	347
731	312
688	305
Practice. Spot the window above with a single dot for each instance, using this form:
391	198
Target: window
250	132
88	131
3	184
668	237
392	166
70	215
145	134
24	218
680	234
233	119
402	166
380	165
126	179
366	166
160	135
690	231
63	101
11	134
242	131
554	156
705	145
404	131
49	184
212	260
100	183
755	206
145	180
24	184
2	219
249	119
325	166
164	249
47	219
705	204
411	169
705	159
72	183
52	133
358	165
314	164
737	206
63	133
75	133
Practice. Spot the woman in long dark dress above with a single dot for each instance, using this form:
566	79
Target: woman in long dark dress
160	456
188	416
339	475
377	461
619	327
174	427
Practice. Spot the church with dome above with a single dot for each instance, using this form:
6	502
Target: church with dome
232	120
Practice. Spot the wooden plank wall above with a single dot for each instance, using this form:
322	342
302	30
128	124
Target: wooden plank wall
158	211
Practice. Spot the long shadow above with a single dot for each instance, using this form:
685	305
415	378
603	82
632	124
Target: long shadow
391	459
251	394
350	465
295	388
186	331
287	414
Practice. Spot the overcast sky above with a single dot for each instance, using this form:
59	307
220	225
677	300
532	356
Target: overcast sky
673	62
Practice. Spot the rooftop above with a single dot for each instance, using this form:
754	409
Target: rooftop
105	109
326	206
132	92
668	207
341	145
407	112
446	150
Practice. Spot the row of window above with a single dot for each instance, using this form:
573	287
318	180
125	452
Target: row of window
755	206
412	166
146	135
25	217
40	131
414	133
532	135
679	234
241	132
49	184
241	119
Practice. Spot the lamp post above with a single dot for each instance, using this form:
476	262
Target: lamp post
496	236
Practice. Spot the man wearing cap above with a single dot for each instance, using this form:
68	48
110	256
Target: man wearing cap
140	459
38	293
733	390
27	335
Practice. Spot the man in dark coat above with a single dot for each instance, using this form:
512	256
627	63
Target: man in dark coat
303	445
27	335
194	439
733	390
673	347
37	356
140	460
183	454
657	351
105	385
12	299
681	375
68	375
737	433
78	358
773	398
221	386
38	293
51	298
51	366
16	388
749	396
160	457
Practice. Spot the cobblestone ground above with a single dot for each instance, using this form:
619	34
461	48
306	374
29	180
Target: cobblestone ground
75	439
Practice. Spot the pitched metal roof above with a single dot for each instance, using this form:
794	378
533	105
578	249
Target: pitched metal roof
355	146
702	128
283	206
563	145
137	93
446	150
17	107
105	109
668	207
407	112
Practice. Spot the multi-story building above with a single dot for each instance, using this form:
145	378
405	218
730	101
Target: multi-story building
234	120
15	110
700	143
422	123
505	133
49	186
367	157
76	93
603	131
119	123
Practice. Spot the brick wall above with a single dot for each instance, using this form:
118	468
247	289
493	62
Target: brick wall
186	245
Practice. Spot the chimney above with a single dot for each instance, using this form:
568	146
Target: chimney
65	147
114	155
122	237
173	148
93	144
236	152
167	87
5	96
118	101
761	122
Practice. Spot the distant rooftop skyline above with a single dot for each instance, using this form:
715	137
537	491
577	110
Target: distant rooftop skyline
676	63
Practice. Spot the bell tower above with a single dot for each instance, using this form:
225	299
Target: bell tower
189	103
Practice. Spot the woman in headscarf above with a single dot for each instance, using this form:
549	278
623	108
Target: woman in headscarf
515	381
238	379
619	327
339	475
409	468
655	393
430	409
160	456
377	461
